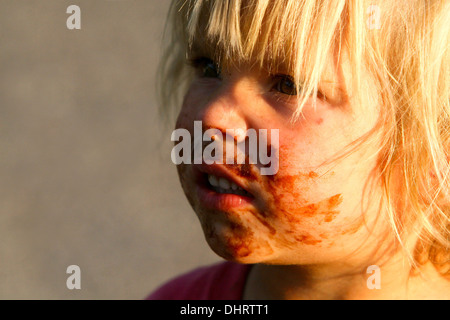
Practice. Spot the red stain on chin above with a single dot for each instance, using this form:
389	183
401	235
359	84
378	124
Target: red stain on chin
238	248
289	184
237	242
241	242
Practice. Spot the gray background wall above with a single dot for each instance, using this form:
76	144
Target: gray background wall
85	170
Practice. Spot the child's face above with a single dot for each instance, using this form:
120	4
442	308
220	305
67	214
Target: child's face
305	213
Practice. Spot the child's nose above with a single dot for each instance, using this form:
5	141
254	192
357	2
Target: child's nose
223	112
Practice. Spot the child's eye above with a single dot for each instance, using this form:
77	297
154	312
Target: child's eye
206	67
286	85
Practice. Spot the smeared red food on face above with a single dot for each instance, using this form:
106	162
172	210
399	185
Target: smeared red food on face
283	215
240	240
286	214
262	219
313	174
242	170
307	239
353	228
288	194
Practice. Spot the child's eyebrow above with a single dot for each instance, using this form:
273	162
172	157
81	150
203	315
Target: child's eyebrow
277	67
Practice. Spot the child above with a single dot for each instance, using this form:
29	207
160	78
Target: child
358	93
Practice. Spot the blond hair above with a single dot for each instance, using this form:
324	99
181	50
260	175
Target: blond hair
407	57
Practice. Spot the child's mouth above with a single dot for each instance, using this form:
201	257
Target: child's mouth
223	185
217	189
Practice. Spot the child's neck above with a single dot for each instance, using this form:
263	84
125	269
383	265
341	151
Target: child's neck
334	282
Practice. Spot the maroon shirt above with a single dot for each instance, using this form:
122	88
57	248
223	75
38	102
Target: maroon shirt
221	281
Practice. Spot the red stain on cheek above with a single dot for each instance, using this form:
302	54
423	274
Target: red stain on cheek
300	220
287	194
334	201
242	170
313	174
331	206
353	228
307	239
286	214
262	218
294	187
326	209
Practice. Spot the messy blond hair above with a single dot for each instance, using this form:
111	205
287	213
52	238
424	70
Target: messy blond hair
407	57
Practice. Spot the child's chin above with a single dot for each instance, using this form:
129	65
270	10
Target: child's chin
244	253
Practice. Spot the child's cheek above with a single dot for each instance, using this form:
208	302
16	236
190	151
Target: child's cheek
302	207
299	220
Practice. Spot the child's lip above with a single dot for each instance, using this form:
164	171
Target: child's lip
221	201
219	171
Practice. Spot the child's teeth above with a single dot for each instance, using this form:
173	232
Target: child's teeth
224	183
213	180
